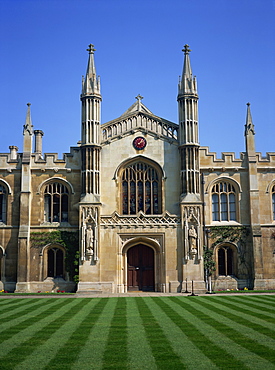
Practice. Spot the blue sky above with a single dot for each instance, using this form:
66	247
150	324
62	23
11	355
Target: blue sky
138	51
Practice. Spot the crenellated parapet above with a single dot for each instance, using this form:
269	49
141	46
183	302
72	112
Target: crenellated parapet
228	159
42	162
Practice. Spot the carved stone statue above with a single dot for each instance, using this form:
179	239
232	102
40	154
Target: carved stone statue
90	240
192	239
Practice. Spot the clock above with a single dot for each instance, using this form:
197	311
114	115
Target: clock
139	143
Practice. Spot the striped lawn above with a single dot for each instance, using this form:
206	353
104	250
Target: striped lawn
205	332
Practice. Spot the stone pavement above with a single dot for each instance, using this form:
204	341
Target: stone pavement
132	294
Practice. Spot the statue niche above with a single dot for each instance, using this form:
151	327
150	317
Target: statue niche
89	232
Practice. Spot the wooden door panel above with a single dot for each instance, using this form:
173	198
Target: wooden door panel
141	268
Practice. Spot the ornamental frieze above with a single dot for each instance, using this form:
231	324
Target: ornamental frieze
141	219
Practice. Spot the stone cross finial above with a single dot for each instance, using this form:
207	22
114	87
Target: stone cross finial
186	49
91	49
139	97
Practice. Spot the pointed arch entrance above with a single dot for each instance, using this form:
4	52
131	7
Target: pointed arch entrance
140	268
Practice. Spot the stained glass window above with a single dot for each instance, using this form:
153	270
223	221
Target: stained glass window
140	189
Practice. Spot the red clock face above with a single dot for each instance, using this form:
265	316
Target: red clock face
139	143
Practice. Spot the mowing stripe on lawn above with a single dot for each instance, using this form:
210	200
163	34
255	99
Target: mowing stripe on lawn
205	339
10	314
211	329
91	355
139	351
262	356
181	337
4	302
242	303
244	319
115	355
260	303
160	345
237	322
43	335
82	322
9	328
58	309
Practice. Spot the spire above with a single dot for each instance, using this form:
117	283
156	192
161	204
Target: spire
188	83
249	127
91	82
27	132
187	70
27	128
249	133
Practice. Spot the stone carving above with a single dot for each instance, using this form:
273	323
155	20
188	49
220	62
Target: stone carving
89	240
192	240
141	220
192	228
89	233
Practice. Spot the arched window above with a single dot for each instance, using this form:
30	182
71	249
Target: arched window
226	261
141	189
3	204
56	202
55	262
224	202
273	201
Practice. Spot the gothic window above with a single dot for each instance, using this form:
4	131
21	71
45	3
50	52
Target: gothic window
141	189
224	202
226	261
273	202
55	262
3	204
56	202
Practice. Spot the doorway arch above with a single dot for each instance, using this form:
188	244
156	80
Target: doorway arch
140	268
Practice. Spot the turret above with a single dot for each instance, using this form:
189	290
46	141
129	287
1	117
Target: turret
188	128
91	101
90	142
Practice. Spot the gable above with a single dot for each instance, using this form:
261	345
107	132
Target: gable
139	118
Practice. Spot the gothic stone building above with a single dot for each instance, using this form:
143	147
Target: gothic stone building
136	205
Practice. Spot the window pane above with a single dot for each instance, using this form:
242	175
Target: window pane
59	263
47	208
221	261
224	216
273	205
140	196
64	208
232	207
132	197
125	197
147	198
215	207
155	197
229	261
50	263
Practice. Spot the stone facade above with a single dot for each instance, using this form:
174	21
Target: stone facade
136	205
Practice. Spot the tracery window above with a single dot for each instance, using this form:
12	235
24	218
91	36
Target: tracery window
55	262
273	201
224	202
3	204
141	189
56	202
225	261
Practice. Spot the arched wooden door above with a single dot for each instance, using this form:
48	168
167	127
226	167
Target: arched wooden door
141	274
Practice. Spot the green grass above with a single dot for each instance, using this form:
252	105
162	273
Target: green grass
204	332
